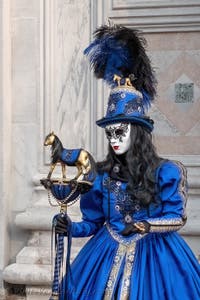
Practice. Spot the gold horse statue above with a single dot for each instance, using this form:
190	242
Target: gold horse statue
71	157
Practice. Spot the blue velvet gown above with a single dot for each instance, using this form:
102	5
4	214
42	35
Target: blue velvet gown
158	265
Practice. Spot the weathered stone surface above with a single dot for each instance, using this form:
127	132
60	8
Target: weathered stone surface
28	274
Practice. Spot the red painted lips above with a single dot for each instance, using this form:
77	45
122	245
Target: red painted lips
115	147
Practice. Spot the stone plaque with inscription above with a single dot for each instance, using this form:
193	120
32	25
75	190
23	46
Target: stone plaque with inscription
184	92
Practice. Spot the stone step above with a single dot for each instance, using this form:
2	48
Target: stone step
28	274
33	266
34	255
40	218
41	255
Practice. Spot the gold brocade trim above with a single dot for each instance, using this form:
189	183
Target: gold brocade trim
160	225
183	186
126	253
126	241
118	260
128	269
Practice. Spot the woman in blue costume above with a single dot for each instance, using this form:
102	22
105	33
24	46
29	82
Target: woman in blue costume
135	207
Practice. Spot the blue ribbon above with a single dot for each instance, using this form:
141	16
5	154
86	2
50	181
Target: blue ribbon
58	280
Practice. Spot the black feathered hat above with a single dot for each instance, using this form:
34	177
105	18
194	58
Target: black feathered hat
118	56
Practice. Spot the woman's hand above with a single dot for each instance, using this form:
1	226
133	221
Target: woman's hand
61	223
139	227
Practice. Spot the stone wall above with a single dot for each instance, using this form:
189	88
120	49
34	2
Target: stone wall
25	70
5	137
50	91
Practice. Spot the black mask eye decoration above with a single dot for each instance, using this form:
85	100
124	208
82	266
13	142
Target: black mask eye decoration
116	132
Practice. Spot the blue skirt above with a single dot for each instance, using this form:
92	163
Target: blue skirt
155	267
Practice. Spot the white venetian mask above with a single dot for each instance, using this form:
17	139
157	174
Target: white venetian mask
118	135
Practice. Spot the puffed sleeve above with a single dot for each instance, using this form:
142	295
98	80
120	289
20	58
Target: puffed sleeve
92	212
172	191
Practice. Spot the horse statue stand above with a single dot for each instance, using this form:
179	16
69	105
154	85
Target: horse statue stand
65	192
